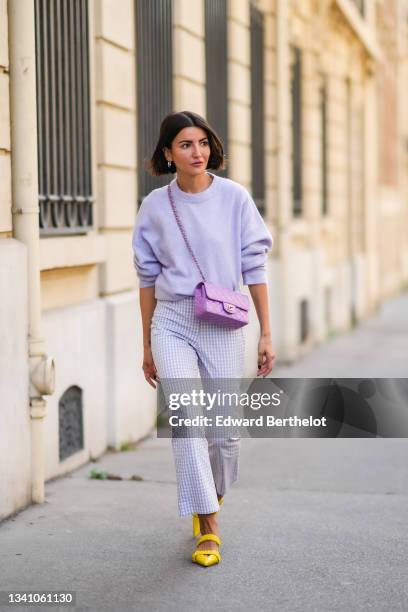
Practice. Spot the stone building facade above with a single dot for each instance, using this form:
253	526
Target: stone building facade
309	98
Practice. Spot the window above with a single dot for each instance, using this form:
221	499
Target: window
154	82
328	309
304	320
296	95
257	108
70	422
216	69
324	144
63	118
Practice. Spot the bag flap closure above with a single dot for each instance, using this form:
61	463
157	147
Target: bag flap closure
227	296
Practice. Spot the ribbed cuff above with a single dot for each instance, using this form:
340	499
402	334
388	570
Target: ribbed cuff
146	283
254	277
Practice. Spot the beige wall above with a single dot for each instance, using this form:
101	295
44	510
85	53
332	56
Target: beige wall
5	167
403	119
116	135
271	214
355	252
100	263
15	430
391	154
327	257
335	41
239	92
188	56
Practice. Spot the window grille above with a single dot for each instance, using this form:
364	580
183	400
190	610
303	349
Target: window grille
296	94
324	145
216	65
257	108
71	425
63	117
154	83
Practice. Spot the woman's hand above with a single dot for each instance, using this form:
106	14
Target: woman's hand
266	356
149	369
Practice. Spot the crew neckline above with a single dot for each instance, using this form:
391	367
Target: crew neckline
201	196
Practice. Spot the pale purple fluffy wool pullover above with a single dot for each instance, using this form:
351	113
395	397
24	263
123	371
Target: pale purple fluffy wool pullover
225	230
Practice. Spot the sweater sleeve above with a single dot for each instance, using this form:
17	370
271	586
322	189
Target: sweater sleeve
146	263
256	241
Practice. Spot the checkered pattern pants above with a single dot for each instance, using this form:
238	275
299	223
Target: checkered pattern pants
185	347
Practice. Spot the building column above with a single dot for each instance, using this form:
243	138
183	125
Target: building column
189	56
371	204
287	345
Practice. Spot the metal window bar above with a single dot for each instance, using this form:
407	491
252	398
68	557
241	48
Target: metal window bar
216	69
296	94
324	145
257	108
154	83
63	116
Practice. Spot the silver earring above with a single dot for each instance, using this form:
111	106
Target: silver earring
169	163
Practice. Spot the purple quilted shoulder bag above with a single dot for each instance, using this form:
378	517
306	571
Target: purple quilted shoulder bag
212	303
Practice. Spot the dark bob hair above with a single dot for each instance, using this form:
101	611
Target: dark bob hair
171	125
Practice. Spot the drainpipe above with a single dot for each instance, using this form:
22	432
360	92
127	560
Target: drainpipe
25	214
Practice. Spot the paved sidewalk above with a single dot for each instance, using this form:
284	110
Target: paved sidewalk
312	524
377	348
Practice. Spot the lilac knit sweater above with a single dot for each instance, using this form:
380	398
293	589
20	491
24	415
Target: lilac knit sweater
225	230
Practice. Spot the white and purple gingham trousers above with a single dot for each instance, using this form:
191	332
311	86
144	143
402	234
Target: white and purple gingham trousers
185	347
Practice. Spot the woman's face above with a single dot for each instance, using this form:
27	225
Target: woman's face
190	151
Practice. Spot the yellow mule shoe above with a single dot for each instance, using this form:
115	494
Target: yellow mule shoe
196	525
196	520
207	557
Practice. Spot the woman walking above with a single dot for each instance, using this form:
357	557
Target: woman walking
199	223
